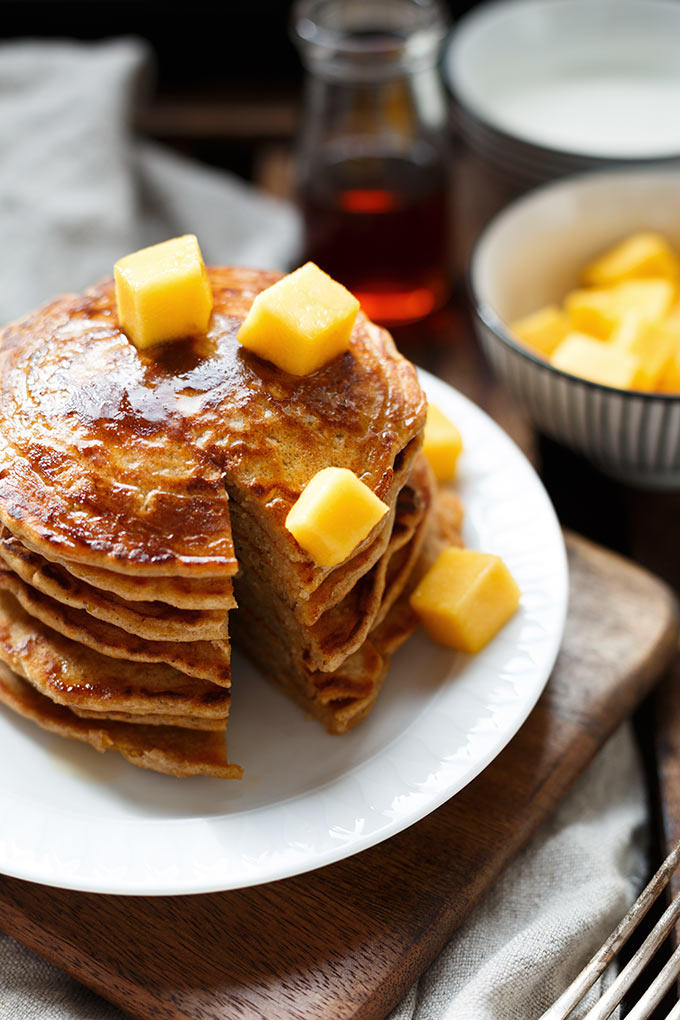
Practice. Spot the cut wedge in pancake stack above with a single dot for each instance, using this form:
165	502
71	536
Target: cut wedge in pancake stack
138	486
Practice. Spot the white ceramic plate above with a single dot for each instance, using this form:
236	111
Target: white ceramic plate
72	818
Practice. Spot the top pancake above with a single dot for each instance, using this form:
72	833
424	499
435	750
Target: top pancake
121	459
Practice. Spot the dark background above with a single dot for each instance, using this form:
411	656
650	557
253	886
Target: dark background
200	46
227	76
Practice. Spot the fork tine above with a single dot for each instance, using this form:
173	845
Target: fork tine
570	998
675	1012
612	997
658	988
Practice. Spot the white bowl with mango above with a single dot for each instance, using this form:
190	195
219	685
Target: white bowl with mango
576	288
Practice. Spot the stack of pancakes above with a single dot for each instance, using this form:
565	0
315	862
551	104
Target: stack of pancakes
104	660
123	474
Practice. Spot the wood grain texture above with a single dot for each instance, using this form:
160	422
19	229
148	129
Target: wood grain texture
345	942
667	750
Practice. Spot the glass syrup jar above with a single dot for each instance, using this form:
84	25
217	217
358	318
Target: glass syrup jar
373	165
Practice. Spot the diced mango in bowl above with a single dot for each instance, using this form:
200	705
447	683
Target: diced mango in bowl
670	377
603	363
621	326
600	311
640	255
543	330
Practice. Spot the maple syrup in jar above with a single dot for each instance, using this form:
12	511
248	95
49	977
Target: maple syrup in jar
372	169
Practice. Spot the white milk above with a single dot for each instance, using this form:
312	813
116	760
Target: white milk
636	114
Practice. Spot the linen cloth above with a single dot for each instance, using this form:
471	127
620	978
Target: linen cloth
77	191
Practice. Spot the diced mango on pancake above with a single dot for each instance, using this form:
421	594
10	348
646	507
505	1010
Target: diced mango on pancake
301	322
642	254
162	292
543	330
442	444
465	598
335	512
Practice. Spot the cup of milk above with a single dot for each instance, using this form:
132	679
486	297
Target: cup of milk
545	88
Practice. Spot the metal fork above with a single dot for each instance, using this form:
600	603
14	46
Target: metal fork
653	995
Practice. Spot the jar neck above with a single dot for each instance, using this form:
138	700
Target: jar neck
399	108
357	41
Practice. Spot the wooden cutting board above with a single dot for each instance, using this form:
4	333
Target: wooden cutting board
666	738
347	941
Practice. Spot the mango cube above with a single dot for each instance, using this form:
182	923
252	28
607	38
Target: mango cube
670	377
648	299
301	322
543	330
442	444
334	513
628	331
465	598
596	360
623	323
639	255
599	312
590	312
162	292
653	343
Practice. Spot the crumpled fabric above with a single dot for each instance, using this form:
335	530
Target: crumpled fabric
552	908
77	191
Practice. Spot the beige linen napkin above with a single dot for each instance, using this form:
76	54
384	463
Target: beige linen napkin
76	192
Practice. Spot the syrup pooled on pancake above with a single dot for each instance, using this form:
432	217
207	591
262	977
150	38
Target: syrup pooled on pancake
118	458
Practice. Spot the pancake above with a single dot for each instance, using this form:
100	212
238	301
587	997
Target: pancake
168	749
343	628
181	592
122	459
330	586
445	529
187	722
340	580
341	698
71	674
137	486
153	621
208	660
